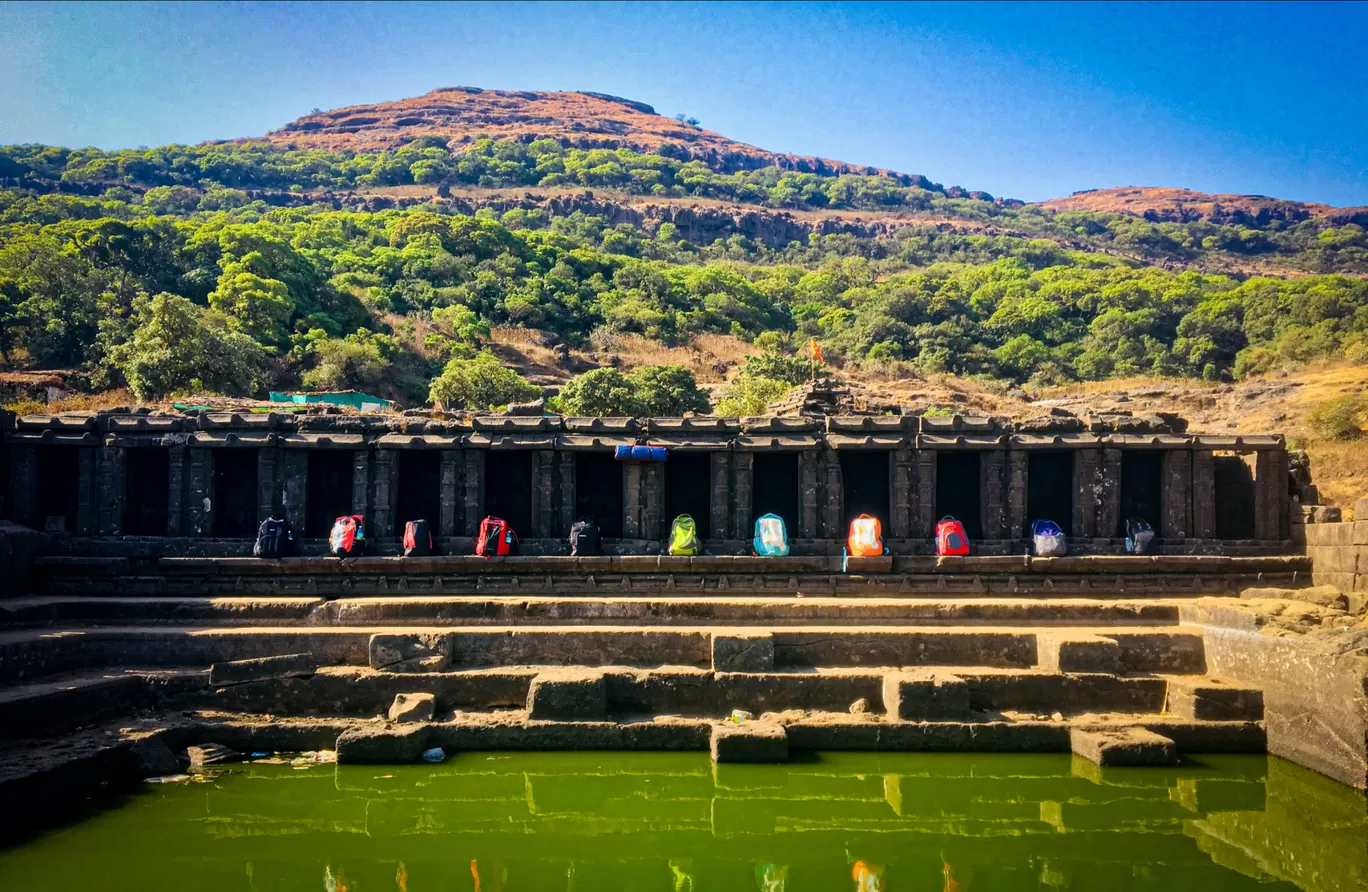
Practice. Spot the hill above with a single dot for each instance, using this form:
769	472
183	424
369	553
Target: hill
405	248
1186	206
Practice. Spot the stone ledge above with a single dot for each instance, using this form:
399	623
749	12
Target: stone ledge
923	696
1213	699
263	669
743	652
568	695
749	742
1128	746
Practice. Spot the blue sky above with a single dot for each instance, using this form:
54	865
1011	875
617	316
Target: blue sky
1028	101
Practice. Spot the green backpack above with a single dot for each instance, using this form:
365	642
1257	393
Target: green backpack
684	536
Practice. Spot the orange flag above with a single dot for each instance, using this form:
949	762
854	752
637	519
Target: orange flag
814	351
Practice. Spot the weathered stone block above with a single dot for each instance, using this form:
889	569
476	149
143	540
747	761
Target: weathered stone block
380	746
1329	534
743	652
1127	746
413	707
1361	529
1361	509
211	754
568	695
1073	652
410	653
926	696
749	742
1212	699
154	758
262	669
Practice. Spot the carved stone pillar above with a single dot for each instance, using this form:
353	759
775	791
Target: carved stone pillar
833	497
993	467
386	496
294	488
743	464
199	496
1203	495
87	493
719	503
924	525
268	486
901	501
1270	494
569	492
653	510
808	492
1087	500
1018	480
175	490
1109	504
449	518
631	500
361	460
474	490
544	493
1177	493
110	471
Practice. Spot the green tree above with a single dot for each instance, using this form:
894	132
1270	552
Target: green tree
667	391
748	395
479	384
178	347
601	392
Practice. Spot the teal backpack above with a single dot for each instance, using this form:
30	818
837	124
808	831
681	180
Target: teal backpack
771	539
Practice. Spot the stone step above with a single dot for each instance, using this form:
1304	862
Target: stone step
540	610
27	654
55	705
347	690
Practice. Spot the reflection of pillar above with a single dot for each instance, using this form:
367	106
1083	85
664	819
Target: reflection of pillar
834	497
199	494
1087	495
993	464
807	481
474	490
386	492
87	500
23	485
294	489
175	490
1270	494
1177	493
1109	502
925	525
900	521
1203	495
110	470
719	503
652	514
631	500
268	488
544	493
1019	463
742	465
447	500
360	480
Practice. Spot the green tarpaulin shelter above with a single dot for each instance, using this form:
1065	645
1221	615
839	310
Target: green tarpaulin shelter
363	402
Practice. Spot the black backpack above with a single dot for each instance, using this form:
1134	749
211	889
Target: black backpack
1139	536
584	539
274	539
417	539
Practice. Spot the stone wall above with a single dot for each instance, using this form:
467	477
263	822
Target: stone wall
1339	552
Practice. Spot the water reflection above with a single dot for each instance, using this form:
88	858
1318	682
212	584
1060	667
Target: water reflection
658	821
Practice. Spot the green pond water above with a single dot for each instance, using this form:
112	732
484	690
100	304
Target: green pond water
496	822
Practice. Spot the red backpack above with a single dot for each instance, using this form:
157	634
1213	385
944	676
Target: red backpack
348	536
950	537
417	539
496	538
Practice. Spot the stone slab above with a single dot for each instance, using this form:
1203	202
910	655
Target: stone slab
1129	746
743	652
420	707
263	669
419	652
568	695
749	742
925	696
1078	652
1213	699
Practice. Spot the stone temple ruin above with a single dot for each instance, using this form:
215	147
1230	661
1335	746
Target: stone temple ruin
135	620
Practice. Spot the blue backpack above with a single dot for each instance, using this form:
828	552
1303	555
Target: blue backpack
771	539
1048	539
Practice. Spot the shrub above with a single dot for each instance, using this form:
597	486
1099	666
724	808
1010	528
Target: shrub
775	366
599	392
653	390
179	346
1338	419
750	395
667	390
480	383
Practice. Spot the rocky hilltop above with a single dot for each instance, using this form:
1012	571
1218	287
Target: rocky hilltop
585	120
1165	205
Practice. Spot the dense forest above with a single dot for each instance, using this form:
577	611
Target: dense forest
169	271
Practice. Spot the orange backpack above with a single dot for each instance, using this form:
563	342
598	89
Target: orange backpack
866	537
